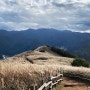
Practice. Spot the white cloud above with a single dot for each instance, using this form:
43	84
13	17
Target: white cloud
60	14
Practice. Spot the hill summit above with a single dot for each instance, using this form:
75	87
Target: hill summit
42	55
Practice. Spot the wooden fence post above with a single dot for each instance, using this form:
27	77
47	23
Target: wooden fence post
52	81
50	88
33	87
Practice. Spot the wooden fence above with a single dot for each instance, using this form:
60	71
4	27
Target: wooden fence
53	82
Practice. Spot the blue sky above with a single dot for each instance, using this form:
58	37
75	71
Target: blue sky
59	14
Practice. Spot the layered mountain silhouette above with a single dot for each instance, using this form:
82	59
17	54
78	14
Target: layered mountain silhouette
15	42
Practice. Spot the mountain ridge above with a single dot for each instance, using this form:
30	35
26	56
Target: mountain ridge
15	42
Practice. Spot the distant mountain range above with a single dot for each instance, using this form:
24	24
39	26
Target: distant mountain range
15	42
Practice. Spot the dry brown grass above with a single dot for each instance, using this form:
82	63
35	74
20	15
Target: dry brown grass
17	73
77	71
19	76
40	58
51	58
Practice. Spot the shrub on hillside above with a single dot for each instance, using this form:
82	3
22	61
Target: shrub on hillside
80	62
62	52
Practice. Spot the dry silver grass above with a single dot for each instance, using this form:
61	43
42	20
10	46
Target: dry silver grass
46	58
19	76
76	70
40	58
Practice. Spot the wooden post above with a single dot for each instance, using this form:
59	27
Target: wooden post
33	87
50	88
52	81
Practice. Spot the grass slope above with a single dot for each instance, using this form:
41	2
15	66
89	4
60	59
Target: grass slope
18	73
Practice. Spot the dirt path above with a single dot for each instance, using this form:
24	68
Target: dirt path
74	85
